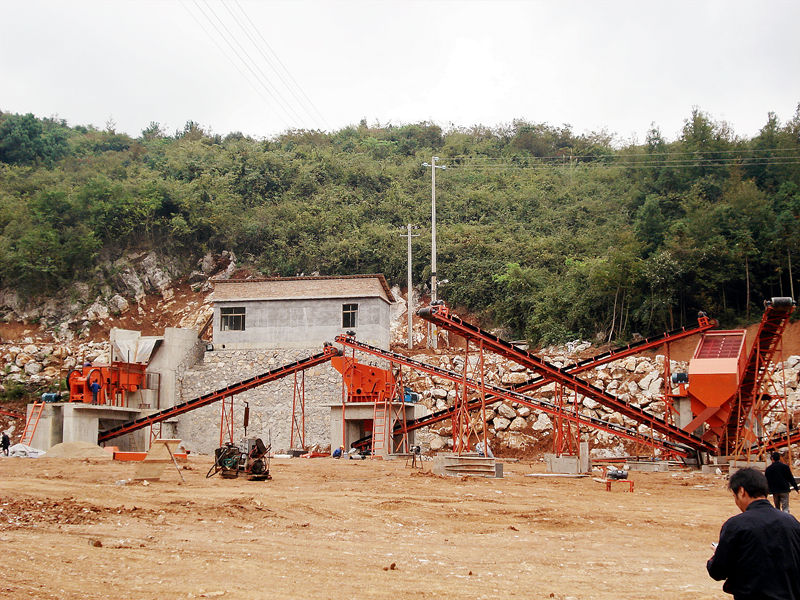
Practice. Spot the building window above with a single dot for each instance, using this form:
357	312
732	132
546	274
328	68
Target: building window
231	319
349	315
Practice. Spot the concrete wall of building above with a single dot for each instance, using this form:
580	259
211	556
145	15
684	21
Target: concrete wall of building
180	350
302	323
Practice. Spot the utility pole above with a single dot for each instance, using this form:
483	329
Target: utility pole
410	303
433	334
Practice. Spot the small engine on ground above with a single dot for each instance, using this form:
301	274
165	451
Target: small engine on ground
249	458
613	473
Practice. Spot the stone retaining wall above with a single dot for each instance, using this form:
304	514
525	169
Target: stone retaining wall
270	404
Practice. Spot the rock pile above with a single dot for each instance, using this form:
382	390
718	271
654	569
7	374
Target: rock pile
41	365
636	380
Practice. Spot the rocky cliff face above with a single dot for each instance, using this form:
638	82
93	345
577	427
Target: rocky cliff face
124	290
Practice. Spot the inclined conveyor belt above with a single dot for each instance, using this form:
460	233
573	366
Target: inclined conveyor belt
499	393
440	316
704	324
770	332
231	390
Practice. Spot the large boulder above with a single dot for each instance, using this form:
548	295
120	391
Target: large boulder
504	410
501	423
22	359
542	423
514	378
438	443
590	404
32	368
518	424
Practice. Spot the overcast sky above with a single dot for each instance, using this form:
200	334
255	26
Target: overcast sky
263	66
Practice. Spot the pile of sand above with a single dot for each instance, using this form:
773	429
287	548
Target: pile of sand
78	450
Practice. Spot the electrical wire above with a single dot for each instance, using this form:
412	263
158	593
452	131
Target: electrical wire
252	41
260	78
628	161
227	56
299	97
607	165
577	156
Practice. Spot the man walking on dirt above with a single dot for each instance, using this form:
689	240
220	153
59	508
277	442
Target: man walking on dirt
758	554
779	476
5	443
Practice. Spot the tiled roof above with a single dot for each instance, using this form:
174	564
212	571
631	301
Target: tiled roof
286	288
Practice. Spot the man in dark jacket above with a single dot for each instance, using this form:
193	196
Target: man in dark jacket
758	554
779	477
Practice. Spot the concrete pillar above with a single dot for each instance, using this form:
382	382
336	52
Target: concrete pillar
684	408
583	457
178	352
79	425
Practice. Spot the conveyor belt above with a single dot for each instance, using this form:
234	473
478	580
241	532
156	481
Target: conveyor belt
778	440
441	317
511	396
773	323
703	324
231	390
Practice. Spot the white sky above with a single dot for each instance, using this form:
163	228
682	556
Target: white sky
593	64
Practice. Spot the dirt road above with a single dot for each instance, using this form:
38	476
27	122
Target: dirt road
346	529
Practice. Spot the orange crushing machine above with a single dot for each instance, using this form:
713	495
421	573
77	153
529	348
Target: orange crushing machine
364	383
116	381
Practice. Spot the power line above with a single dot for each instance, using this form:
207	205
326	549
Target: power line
636	155
626	160
283	66
279	100
225	54
681	164
252	41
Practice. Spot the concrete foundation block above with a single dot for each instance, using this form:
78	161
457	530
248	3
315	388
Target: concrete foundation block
460	466
648	467
563	464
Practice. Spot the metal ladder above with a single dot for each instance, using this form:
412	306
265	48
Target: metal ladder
379	420
31	422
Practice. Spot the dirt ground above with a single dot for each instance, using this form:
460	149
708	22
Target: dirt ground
70	528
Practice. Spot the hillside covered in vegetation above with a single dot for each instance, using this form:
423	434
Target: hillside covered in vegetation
551	234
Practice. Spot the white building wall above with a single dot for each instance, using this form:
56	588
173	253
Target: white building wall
302	323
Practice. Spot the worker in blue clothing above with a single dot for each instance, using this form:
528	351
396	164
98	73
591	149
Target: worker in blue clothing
95	388
780	478
758	554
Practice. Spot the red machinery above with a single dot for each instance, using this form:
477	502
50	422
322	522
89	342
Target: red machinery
116	381
221	394
715	374
727	384
364	383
